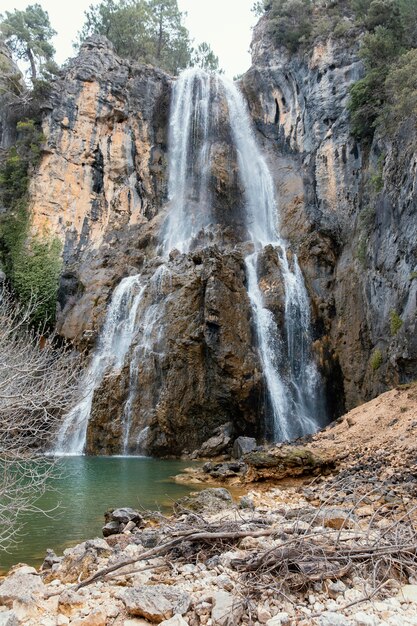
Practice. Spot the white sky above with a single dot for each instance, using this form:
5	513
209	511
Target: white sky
224	24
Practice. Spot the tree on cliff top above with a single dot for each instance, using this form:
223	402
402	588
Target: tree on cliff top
148	31
28	34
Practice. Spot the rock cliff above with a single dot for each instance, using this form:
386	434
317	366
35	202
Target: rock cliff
102	189
353	220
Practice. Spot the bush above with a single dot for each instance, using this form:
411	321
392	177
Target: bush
395	323
376	359
32	262
290	22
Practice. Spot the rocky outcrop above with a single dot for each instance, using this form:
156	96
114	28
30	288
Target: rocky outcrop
351	221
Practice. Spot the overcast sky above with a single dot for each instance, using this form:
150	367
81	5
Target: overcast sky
224	24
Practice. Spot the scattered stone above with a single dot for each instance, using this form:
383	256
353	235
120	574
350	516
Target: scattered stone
336	588
280	619
227	609
157	603
111	528
243	445
95	618
334	619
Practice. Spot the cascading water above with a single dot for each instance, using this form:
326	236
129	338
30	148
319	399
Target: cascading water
114	342
189	158
134	321
290	371
150	330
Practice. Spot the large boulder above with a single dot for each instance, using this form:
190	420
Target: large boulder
219	442
23	585
243	445
209	500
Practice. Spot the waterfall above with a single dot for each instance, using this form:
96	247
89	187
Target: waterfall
134	321
290	372
113	344
189	158
149	332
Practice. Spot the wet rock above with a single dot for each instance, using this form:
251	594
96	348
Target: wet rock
157	603
111	528
243	445
125	515
284	461
213	500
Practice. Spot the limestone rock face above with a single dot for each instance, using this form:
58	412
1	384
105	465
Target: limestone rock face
355	239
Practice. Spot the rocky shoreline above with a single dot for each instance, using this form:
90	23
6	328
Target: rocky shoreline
334	544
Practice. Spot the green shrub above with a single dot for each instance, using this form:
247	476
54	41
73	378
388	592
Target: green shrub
376	359
395	322
32	262
35	275
377	178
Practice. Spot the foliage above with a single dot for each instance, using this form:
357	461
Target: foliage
32	262
400	91
376	359
395	322
387	92
204	57
290	22
38	384
28	34
149	31
377	179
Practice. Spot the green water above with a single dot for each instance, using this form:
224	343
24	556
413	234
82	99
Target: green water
87	488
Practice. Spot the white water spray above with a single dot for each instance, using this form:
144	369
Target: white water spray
113	345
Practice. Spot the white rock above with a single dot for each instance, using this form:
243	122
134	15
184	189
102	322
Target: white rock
263	615
364	619
62	620
8	618
227	609
334	619
336	588
408	593
280	619
176	620
22	586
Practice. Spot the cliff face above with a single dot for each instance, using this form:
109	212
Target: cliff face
102	189
354	224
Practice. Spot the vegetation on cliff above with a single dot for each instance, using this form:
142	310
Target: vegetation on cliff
32	261
387	32
149	31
